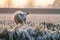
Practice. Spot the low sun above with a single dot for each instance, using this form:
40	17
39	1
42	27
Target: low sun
20	3
25	3
43	2
2	2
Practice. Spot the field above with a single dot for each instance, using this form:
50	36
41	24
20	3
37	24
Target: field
8	20
33	20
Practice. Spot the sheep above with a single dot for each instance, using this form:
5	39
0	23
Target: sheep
20	17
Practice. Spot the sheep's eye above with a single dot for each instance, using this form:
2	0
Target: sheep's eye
20	14
27	13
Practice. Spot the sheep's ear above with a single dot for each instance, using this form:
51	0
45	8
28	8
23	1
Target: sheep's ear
27	13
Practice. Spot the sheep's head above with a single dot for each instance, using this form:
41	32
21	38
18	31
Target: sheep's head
20	17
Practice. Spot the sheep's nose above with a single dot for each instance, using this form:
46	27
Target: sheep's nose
24	18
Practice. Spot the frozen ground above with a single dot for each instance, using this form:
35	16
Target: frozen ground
33	20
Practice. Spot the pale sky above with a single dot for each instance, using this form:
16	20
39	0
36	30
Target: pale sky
26	3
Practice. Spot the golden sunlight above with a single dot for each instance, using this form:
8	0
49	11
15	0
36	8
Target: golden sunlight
42	2
2	2
19	3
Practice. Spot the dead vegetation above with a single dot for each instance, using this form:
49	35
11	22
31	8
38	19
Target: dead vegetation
33	23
